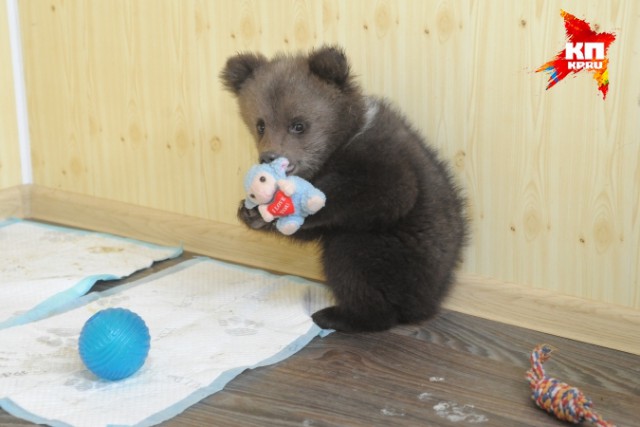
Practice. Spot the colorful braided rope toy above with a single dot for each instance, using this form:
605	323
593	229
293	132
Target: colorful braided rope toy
557	398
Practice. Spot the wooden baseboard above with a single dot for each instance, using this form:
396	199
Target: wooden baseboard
14	202
542	310
583	320
223	241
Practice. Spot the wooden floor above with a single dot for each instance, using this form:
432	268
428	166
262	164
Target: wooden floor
454	370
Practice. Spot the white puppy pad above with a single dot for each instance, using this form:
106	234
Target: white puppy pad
208	322
43	266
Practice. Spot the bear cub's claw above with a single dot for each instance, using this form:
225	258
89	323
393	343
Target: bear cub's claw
251	217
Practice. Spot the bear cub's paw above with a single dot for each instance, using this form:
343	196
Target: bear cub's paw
251	217
329	318
343	321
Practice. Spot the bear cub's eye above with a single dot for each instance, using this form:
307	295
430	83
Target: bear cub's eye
260	127
296	127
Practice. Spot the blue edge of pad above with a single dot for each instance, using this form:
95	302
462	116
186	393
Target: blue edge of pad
51	304
217	384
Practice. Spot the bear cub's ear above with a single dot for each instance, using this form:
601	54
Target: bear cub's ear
330	64
239	68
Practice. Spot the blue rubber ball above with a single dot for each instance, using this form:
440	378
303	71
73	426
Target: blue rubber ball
114	343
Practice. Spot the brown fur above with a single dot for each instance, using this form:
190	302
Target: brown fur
393	228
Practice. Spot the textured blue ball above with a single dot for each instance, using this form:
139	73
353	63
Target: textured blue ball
114	343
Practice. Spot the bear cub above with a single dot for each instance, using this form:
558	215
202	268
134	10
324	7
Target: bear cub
393	228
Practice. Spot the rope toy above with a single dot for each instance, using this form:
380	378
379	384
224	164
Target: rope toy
557	398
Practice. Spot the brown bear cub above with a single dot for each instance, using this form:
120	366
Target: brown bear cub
393	227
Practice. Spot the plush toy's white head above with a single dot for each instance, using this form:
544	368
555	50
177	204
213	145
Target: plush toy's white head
261	182
261	188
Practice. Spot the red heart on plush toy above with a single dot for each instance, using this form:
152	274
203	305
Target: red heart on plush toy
282	205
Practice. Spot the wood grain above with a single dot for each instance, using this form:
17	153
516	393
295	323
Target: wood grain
14	202
453	370
397	378
605	324
125	104
9	147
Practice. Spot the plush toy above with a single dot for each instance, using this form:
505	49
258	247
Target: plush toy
289	199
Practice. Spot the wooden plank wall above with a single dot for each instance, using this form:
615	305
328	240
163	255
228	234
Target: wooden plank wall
125	104
9	148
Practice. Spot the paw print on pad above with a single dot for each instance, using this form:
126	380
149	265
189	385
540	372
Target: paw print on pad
85	381
238	326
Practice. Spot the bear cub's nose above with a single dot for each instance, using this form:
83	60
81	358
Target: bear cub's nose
268	156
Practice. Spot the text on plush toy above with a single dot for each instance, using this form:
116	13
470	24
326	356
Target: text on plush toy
282	205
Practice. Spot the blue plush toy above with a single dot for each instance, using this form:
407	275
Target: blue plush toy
289	199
